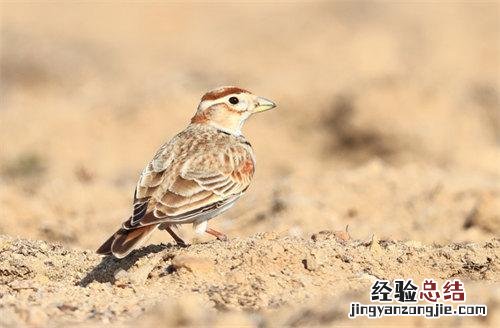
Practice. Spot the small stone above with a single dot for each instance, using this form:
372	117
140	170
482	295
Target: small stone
341	236
67	307
375	246
269	236
322	235
193	264
310	263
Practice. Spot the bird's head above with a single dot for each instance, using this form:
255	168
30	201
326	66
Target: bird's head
227	108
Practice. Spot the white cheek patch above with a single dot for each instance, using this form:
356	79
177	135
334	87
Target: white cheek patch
242	105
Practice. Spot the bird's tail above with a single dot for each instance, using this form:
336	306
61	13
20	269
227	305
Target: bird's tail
124	241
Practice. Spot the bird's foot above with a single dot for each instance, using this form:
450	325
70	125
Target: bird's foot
177	239
217	234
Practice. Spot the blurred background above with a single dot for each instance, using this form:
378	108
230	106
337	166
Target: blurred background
388	117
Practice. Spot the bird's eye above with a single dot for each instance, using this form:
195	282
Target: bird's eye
234	100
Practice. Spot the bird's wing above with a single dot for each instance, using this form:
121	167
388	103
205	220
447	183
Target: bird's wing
171	191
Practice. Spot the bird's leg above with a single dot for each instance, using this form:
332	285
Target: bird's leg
217	234
177	239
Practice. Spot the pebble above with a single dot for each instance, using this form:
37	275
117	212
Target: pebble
310	263
193	264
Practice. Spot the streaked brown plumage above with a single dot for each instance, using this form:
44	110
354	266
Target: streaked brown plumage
195	176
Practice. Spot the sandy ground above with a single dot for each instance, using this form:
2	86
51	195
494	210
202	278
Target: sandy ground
388	122
277	281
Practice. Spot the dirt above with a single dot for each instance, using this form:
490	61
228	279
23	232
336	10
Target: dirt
244	279
382	160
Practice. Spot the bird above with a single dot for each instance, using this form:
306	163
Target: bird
200	173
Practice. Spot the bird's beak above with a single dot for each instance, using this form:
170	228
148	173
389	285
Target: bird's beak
263	104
